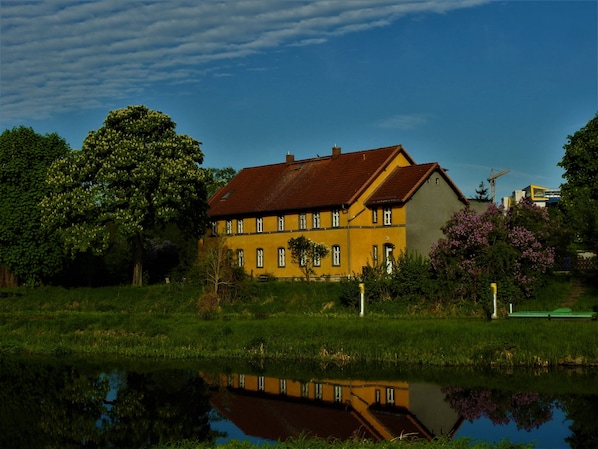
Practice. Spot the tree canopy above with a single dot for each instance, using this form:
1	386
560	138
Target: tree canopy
132	177
31	253
579	194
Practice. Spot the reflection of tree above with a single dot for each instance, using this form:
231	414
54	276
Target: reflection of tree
158	407
583	412
66	406
527	410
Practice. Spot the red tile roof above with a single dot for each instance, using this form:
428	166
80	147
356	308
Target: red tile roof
403	182
319	183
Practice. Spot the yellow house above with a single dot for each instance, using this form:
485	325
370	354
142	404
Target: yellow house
366	206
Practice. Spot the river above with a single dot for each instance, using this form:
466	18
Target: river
73	403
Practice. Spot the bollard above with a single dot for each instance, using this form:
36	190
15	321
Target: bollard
361	299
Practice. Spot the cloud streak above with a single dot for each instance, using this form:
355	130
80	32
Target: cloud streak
64	55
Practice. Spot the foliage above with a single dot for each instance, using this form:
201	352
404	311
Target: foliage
481	193
33	254
217	178
510	249
579	194
132	177
410	280
306	253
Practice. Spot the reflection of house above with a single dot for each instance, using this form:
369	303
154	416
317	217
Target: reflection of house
277	409
540	196
363	205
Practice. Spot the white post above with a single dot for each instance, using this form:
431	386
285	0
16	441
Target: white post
361	299
493	286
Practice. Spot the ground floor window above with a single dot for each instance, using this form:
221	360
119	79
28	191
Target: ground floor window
260	258
336	255
241	257
282	261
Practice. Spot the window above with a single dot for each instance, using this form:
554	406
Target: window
241	380
260	258
338	393
281	222
240	226
390	396
317	260
282	386
215	228
261	383
377	396
315	220
375	254
374	215
387	216
318	391
304	390
336	218
229	227
302	221
336	256
259	224
282	261
303	259
241	257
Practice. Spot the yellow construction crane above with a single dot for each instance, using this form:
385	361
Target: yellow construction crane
492	178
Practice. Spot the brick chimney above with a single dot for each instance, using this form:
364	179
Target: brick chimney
336	152
290	158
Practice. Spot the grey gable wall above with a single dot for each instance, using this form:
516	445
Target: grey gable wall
428	210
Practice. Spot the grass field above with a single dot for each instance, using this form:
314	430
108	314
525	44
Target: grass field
290	321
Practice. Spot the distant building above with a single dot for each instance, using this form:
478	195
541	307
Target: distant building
540	196
366	206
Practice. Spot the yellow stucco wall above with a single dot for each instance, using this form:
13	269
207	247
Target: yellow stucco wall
356	236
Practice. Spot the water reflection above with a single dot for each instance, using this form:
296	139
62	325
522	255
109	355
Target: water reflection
73	404
279	408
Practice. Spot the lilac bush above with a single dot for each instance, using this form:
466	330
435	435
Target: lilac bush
509	248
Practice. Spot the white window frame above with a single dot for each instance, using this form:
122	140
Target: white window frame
387	216
282	257
241	257
259	258
318	391
281	223
317	260
259	225
338	394
302	221
375	254
229	227
336	218
215	227
375	215
315	220
390	396
336	255
240	226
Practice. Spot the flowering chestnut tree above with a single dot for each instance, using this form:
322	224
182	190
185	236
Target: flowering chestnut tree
132	177
510	249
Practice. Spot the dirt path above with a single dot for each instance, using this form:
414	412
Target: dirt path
577	289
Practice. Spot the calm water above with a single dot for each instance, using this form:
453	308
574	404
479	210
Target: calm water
73	404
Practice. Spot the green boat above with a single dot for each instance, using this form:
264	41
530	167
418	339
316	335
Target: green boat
557	314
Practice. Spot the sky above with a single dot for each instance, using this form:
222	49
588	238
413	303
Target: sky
475	85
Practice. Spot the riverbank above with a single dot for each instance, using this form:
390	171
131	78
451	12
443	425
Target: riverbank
305	322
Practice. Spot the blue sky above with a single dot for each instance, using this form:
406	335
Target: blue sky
472	84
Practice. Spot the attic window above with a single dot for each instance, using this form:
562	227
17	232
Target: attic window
226	195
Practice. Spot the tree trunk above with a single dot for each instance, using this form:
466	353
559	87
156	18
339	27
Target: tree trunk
138	262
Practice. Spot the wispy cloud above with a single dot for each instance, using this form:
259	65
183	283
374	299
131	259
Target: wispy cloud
61	55
404	121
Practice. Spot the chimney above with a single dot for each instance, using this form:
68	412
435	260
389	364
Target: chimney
336	152
290	158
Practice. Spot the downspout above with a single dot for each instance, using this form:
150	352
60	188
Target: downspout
349	220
